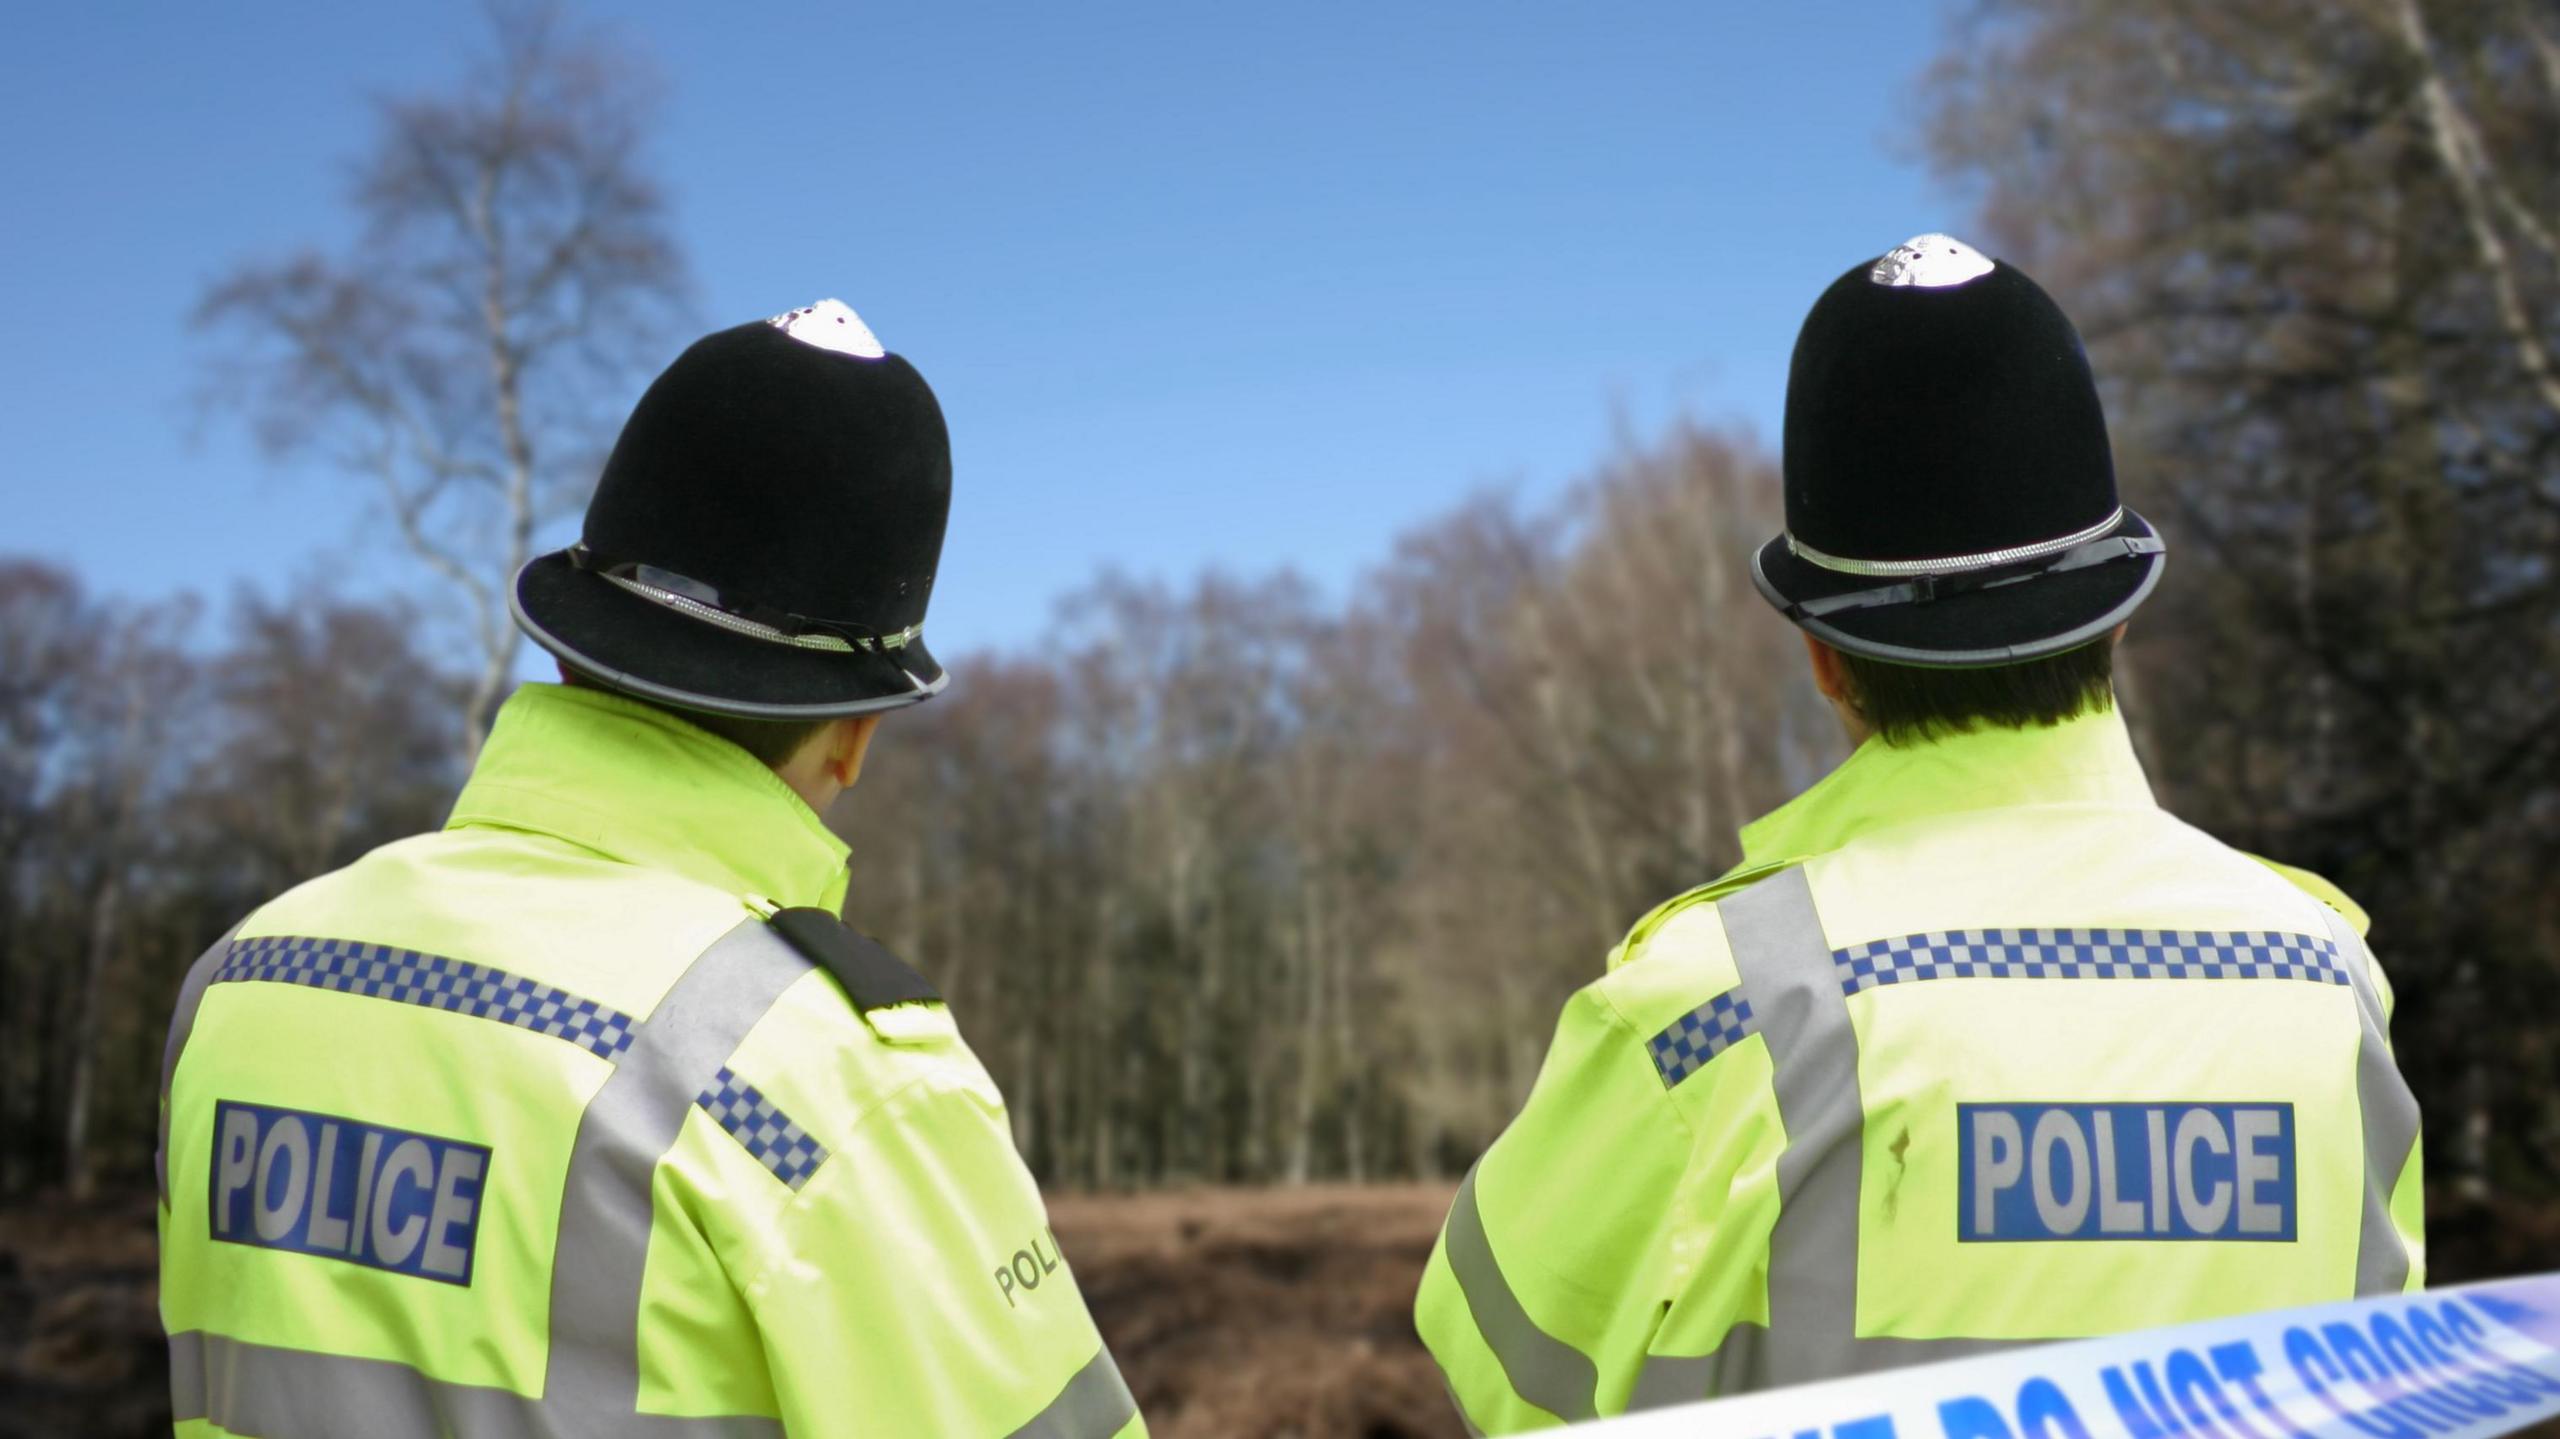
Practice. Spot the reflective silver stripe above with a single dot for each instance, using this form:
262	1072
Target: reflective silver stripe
1954	564
296	1394
1096	1404
182	1022
186	1374
1794	989
1543	1369
2390	1122
1735	1365
605	1214
1665	1380
284	1393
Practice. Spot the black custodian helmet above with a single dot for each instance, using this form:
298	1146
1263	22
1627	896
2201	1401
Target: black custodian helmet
1950	493
764	537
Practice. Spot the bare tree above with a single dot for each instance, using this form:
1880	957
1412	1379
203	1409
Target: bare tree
47	627
1231	885
512	277
339	733
152	789
124	761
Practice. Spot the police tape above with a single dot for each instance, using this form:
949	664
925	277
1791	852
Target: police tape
2477	1360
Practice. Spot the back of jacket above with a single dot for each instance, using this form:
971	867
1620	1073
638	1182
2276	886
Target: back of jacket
1984	1049
537	1126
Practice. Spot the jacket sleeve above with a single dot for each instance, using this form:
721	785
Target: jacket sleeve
915	1287
2408	1205
2408	1195
1557	1263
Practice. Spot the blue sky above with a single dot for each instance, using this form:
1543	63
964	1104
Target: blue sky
1243	286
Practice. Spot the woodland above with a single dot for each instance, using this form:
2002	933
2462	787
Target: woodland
1231	881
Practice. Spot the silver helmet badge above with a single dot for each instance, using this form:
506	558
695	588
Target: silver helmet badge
830	325
1931	262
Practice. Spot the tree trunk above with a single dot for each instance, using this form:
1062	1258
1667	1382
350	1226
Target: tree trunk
78	1173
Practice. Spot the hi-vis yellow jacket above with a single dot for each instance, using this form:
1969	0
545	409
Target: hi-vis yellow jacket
536	1126
1978	1047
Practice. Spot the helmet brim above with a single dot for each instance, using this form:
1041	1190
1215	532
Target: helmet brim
2046	615
641	648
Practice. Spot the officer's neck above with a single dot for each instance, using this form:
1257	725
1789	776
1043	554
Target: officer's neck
818	792
1852	723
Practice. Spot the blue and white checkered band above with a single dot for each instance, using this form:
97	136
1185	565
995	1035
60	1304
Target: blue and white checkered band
1701	1035
776	1141
2088	954
405	976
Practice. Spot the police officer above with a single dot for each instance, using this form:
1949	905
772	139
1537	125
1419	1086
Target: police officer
586	1116
1978	1046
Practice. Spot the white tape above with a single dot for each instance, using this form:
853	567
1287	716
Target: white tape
2479	1360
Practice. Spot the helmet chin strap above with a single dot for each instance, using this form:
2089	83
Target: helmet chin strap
1932	587
1955	564
704	602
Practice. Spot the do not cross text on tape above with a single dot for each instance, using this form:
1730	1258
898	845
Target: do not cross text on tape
2459	1363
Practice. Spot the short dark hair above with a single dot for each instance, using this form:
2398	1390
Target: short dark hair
770	741
1907	704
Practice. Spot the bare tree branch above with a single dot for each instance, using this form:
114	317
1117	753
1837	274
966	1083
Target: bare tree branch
2459	151
513	278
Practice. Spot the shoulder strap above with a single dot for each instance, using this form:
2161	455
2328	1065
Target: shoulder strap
863	968
2321	890
1722	887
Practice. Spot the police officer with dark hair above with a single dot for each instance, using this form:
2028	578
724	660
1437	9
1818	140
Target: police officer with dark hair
1978	1046
586	1116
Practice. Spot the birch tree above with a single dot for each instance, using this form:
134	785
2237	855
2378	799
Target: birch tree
512	278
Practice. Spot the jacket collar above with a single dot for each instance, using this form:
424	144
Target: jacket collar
638	785
2088	760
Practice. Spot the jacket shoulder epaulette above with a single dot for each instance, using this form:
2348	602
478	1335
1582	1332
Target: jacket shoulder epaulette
1708	893
2321	890
861	966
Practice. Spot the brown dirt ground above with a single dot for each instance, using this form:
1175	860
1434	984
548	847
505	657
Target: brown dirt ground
1265	1314
80	1346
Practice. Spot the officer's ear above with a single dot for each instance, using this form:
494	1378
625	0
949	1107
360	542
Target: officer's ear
847	741
1830	675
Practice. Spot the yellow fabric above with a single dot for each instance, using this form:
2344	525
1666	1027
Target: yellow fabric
1631	1220
2088	760
644	788
2323	891
599	848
